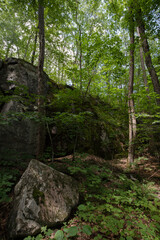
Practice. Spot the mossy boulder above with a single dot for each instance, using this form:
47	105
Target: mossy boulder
43	197
85	124
18	102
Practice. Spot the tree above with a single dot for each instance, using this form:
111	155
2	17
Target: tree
35	45
143	65
146	49
131	111
41	108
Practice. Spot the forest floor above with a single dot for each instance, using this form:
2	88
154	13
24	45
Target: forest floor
145	168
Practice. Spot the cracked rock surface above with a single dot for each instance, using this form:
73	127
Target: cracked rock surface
43	196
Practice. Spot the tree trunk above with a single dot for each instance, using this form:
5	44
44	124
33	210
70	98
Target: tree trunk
80	57
146	50
29	39
41	108
143	65
35	45
131	111
8	50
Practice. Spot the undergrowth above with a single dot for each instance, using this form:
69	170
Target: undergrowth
9	174
113	207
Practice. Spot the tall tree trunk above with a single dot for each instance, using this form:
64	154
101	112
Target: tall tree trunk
143	65
80	57
35	45
148	60
29	39
76	61
41	108
131	111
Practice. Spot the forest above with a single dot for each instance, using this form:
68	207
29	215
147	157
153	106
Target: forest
79	119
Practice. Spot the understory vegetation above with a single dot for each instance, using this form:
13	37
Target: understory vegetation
113	205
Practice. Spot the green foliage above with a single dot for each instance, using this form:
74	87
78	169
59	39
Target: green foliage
126	209
10	171
44	233
8	177
87	124
59	235
113	205
6	183
148	130
90	51
64	234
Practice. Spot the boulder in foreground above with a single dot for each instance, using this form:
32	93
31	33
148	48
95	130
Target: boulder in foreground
43	196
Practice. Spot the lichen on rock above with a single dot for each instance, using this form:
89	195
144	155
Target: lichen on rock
43	196
38	196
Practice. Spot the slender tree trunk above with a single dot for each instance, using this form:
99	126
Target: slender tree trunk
8	50
35	45
88	85
77	44
76	62
80	57
29	39
89	82
143	65
41	108
18	52
131	111
146	50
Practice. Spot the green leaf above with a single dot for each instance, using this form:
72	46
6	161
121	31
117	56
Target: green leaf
39	237
87	230
59	235
44	229
28	238
129	238
72	231
65	230
81	207
49	232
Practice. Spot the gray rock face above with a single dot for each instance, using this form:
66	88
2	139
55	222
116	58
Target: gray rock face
43	196
18	83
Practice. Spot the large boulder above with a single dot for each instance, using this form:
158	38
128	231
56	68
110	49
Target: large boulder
43	196
18	89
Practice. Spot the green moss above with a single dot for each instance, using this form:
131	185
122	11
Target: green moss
38	196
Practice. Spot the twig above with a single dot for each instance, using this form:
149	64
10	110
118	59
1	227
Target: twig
153	174
50	137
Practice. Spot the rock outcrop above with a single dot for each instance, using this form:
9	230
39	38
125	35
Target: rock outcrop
43	196
18	89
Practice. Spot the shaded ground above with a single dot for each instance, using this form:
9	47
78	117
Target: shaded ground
145	168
